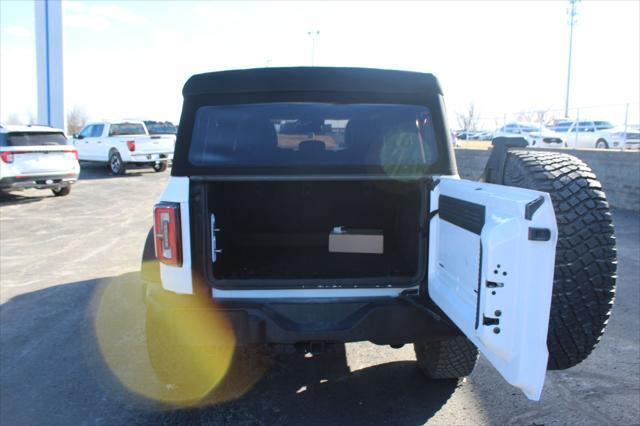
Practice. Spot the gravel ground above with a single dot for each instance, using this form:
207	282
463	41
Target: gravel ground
57	253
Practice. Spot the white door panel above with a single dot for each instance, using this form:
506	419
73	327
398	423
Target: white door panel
491	263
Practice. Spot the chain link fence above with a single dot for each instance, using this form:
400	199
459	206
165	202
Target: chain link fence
613	126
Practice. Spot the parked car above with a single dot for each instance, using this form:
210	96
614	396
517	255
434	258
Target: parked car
533	134
483	136
37	157
628	138
371	238
465	135
120	144
586	133
546	139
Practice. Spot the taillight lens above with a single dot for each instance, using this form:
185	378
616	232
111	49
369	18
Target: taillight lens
131	145
73	151
167	233
7	156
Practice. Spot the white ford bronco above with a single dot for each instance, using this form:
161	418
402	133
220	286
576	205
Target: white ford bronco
312	206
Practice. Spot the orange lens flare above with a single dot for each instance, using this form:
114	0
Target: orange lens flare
176	349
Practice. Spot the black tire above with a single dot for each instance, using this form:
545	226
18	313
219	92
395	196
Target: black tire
585	269
602	144
446	359
116	165
160	167
65	190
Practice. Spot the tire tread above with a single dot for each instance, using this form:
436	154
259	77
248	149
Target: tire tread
586	258
446	359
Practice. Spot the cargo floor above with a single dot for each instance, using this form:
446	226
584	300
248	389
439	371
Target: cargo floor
309	263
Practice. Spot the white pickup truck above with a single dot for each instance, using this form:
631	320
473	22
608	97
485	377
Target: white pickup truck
123	143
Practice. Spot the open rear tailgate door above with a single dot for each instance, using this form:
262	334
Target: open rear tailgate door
491	264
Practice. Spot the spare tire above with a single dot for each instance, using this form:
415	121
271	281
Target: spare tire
585	269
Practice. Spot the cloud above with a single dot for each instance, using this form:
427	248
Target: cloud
18	31
98	16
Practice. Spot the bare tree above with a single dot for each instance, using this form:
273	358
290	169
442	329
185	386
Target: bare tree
76	119
469	119
536	116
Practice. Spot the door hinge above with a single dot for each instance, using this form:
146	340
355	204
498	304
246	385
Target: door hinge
432	183
214	249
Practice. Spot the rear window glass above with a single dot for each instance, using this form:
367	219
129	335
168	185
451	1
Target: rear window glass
34	139
529	129
562	127
126	129
601	125
161	128
283	134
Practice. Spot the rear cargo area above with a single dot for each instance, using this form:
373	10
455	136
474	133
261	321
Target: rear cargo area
277	230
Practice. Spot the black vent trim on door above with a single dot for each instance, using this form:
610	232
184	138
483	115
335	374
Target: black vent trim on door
465	214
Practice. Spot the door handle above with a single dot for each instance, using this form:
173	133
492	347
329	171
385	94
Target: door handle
99	141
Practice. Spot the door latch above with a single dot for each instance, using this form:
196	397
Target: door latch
490	321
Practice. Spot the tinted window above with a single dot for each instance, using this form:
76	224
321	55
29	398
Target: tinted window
126	129
34	138
511	128
86	132
583	126
392	136
563	127
161	128
97	130
601	125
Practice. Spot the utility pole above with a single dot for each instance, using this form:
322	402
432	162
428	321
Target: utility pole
572	20
313	35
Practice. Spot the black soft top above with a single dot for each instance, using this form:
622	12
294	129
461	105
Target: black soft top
312	79
308	85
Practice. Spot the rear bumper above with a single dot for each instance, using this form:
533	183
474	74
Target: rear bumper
385	321
151	157
37	182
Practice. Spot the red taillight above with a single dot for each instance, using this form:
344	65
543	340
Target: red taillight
131	145
167	233
7	156
72	151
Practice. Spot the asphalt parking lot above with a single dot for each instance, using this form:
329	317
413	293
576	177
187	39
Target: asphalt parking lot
56	253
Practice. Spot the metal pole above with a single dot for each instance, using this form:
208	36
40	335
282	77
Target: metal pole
576	128
572	21
541	117
48	17
626	118
313	35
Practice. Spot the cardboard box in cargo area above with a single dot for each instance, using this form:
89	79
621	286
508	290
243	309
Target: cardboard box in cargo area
346	240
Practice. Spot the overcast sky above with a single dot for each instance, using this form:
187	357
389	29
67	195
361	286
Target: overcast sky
130	59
